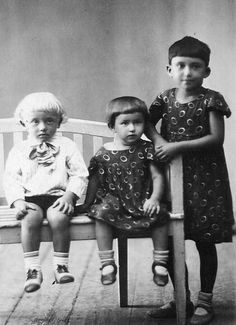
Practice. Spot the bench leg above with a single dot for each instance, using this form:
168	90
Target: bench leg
179	271
123	269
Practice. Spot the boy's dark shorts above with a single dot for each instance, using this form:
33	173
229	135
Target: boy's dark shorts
43	201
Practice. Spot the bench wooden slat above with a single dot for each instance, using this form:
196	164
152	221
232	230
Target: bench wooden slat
78	138
17	137
2	155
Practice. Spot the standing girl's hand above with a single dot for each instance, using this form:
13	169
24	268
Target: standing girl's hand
151	206
66	203
167	151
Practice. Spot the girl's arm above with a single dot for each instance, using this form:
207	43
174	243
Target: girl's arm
215	138
90	194
153	203
152	134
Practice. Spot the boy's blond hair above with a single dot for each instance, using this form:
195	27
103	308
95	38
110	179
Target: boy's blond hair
40	101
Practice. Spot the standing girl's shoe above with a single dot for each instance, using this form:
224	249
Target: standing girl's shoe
204	312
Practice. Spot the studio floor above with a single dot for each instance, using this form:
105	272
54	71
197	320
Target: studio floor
87	302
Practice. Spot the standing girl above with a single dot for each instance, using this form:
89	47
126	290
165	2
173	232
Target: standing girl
193	125
126	187
45	175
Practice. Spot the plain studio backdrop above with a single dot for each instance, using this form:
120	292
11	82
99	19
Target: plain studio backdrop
90	51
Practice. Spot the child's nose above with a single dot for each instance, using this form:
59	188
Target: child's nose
42	126
187	71
131	127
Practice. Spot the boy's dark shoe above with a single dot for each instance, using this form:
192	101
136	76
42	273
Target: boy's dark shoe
169	310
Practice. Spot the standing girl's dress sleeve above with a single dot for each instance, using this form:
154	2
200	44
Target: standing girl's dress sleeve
156	109
216	102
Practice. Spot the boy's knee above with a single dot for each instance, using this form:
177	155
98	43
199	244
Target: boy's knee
32	220
58	219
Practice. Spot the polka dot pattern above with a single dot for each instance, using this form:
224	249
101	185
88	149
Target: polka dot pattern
207	195
125	184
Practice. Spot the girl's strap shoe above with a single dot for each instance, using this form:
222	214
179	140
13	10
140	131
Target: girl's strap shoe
109	278
205	302
158	278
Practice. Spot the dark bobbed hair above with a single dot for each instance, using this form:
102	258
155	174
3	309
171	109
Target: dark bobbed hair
125	105
191	47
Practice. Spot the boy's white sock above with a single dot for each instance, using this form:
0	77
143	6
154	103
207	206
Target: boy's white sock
31	260
60	259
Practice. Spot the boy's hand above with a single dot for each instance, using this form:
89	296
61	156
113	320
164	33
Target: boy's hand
22	208
150	207
166	152
66	203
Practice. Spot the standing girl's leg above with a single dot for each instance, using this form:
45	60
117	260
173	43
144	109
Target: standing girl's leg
104	235
59	223
160	255
208	269
168	310
30	238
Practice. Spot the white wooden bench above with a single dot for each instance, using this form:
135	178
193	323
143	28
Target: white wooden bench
89	136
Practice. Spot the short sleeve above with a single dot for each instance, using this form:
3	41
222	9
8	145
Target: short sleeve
216	102
156	109
150	154
149	151
93	166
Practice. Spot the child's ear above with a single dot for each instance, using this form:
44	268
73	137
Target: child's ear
169	70
208	72
59	123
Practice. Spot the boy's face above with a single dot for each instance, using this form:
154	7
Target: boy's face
188	73
41	125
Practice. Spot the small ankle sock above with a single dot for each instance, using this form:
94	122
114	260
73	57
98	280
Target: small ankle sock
31	260
204	299
107	257
161	257
60	258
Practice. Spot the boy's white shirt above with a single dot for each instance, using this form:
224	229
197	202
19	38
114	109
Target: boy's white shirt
24	177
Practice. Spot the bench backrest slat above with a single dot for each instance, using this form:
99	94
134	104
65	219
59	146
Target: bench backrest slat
17	137
2	156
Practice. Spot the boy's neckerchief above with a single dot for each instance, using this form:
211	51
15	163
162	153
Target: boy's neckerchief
45	153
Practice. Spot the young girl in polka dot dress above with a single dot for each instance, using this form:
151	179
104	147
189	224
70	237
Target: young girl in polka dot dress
126	187
193	125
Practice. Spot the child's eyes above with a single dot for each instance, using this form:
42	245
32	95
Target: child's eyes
196	66
48	122
193	66
134	122
180	65
34	122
